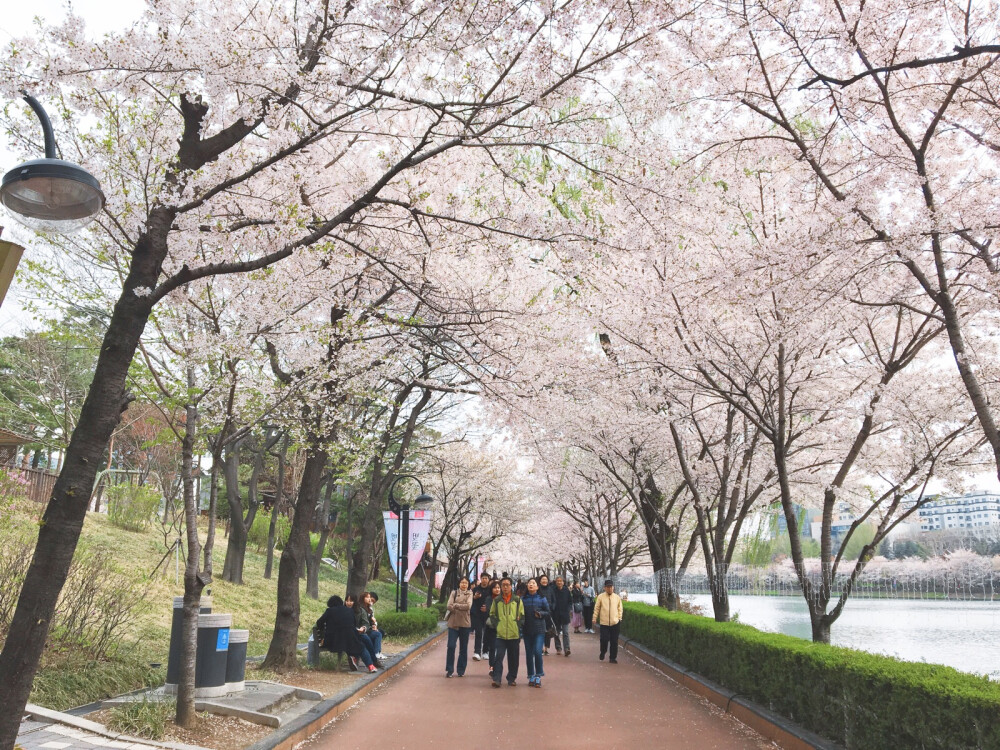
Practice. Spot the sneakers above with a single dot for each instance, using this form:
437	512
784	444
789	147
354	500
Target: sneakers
477	657
372	668
614	661
511	683
545	651
379	655
449	674
353	663
534	682
567	652
601	657
496	681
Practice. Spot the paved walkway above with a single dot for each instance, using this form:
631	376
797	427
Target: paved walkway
584	704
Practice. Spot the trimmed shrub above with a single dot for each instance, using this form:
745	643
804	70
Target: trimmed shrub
131	507
441	608
415	622
854	698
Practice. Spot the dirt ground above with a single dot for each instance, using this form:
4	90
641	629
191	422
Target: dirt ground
218	732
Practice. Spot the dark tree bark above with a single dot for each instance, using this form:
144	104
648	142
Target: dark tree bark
62	522
279	496
282	653
315	557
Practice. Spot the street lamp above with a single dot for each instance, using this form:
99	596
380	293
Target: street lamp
403	544
50	194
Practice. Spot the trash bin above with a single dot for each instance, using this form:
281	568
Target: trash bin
236	661
213	654
312	651
174	657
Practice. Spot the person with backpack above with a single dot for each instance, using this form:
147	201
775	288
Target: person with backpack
459	626
506	618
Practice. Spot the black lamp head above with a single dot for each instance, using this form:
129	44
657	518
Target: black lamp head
52	195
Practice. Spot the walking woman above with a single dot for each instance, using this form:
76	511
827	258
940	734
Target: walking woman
536	615
459	627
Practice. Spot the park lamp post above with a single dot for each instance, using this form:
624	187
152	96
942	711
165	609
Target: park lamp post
403	538
50	194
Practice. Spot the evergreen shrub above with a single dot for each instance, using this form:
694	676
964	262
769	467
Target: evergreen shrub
415	622
858	700
257	535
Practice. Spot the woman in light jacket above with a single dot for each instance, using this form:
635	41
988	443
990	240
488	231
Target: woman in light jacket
459	626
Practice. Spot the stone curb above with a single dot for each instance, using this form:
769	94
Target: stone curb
778	729
305	726
85	725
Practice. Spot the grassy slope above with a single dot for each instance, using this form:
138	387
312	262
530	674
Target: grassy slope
66	680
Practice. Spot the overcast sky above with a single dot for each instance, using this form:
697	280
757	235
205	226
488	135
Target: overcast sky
16	20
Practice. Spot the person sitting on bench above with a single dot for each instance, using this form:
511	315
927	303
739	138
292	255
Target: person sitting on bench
338	634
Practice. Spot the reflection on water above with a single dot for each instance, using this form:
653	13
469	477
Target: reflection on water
964	635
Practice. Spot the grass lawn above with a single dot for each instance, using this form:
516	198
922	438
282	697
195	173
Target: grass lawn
67	679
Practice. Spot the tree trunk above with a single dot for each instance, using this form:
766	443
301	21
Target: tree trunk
193	582
232	568
282	653
323	520
279	494
358	578
62	522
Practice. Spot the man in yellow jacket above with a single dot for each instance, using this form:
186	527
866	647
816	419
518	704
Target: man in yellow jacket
608	614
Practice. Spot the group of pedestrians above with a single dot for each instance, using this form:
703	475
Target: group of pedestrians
499	615
349	626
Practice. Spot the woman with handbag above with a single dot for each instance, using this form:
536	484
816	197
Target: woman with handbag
536	618
459	626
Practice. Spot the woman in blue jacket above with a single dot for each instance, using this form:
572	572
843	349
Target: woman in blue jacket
536	614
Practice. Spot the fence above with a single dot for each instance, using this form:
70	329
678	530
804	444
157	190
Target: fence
973	578
38	483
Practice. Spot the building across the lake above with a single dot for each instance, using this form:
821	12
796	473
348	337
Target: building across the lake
971	511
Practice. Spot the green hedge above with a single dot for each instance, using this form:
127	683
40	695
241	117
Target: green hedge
859	700
414	622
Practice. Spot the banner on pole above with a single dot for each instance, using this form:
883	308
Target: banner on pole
420	529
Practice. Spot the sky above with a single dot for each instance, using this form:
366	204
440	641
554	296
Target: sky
16	20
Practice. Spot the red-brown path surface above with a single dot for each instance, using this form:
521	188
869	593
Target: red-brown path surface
584	704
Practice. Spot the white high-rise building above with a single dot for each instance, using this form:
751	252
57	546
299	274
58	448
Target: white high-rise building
972	511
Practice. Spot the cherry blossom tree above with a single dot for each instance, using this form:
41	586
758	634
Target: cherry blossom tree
210	152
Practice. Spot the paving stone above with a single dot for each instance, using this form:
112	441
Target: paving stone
56	745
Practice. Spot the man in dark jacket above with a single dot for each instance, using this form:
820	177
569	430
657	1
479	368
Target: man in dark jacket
479	613
545	589
339	633
562	611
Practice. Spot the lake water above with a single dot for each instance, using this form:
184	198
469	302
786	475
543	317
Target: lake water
964	635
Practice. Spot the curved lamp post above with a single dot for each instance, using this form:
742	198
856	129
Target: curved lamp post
403	544
50	194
